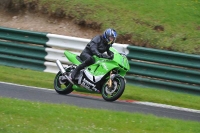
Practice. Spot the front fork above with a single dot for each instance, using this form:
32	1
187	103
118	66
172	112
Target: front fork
112	76
110	80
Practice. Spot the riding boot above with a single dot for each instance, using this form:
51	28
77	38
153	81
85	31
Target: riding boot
76	70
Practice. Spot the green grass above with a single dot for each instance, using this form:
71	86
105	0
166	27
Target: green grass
26	77
18	116
45	80
180	19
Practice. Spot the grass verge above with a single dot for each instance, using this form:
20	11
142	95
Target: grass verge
33	117
45	80
170	25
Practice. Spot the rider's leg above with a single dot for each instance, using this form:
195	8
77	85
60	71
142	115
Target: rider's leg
76	70
88	61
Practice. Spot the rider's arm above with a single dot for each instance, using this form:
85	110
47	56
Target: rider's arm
94	46
108	51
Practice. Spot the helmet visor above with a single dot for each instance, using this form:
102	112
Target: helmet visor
111	39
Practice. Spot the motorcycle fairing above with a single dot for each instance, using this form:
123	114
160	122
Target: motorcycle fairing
102	67
121	59
87	81
93	78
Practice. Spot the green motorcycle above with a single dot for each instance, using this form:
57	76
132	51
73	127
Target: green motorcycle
105	76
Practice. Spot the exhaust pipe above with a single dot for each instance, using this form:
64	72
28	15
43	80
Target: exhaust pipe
61	68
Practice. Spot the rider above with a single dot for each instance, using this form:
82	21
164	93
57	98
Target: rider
97	46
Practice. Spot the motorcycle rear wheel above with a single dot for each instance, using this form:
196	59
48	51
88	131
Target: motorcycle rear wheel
115	91
63	89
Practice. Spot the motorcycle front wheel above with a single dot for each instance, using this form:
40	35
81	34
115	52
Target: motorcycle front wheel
115	91
65	88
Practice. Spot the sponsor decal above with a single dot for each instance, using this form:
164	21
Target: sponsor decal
104	66
88	85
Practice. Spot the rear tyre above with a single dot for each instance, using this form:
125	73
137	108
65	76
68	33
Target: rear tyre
65	88
115	91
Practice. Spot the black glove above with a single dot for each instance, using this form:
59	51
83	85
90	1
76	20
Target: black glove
111	56
107	56
100	55
104	56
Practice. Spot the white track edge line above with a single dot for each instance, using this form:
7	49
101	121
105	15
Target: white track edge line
167	106
27	86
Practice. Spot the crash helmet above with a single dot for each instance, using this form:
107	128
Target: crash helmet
110	35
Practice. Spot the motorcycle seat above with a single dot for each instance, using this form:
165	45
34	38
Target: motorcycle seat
78	58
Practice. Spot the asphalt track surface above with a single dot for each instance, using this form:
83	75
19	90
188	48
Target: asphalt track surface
50	96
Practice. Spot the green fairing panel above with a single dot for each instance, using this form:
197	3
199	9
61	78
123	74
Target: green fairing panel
100	68
72	57
120	59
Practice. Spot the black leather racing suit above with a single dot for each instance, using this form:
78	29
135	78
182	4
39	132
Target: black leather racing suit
97	46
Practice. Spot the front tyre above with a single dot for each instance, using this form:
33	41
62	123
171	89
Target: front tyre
65	88
115	91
